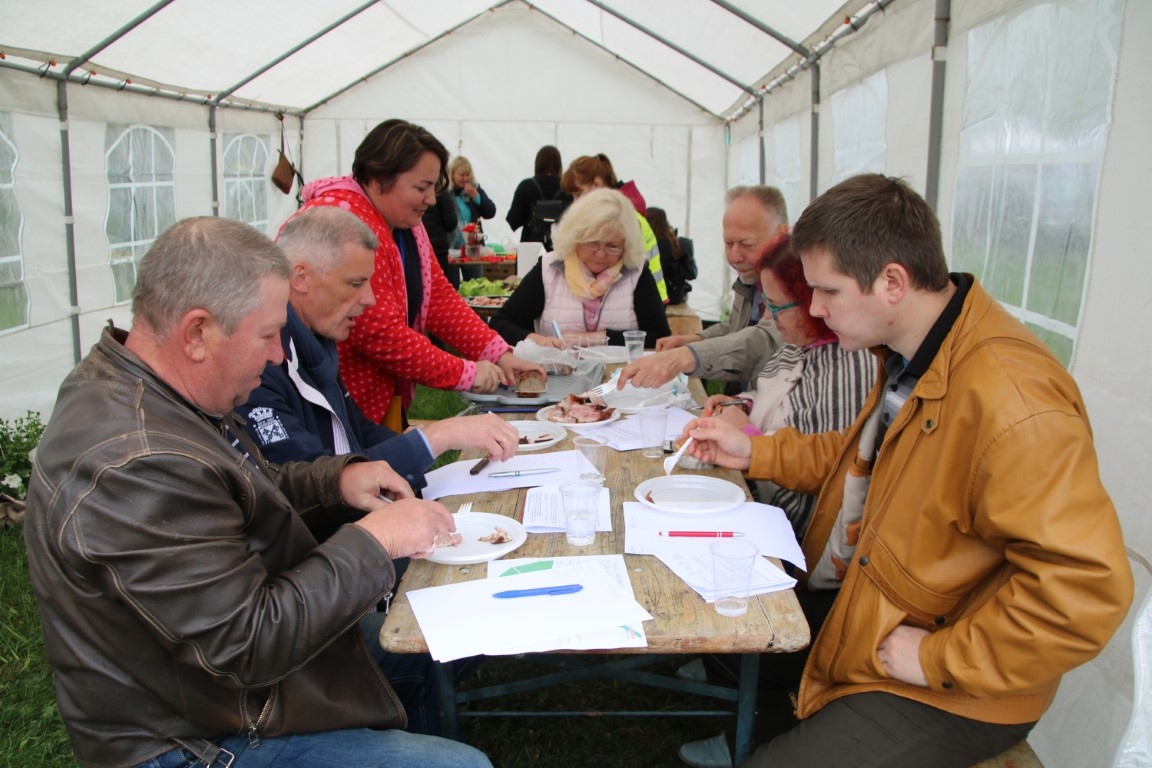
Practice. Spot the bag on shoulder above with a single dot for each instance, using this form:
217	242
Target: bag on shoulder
687	260
545	212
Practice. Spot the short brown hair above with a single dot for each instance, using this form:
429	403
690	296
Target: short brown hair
584	171
394	147
870	220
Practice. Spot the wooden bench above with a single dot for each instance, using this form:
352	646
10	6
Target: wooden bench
682	319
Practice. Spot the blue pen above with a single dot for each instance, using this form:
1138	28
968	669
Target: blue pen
565	589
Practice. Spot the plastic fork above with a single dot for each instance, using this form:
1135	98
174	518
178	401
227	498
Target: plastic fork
465	508
603	389
671	462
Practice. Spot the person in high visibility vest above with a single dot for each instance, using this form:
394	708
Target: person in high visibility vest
589	172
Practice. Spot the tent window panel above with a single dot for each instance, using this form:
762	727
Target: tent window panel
1013	207
1037	108
859	115
11	271
141	196
971	212
245	159
13	306
11	220
786	135
1063	238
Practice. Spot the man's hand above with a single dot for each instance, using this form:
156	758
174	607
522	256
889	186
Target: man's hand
411	527
362	483
672	342
716	442
487	432
489	376
510	364
657	369
899	654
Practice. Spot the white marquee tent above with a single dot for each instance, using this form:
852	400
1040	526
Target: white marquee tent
1025	122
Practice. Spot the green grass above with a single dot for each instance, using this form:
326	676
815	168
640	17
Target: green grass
32	734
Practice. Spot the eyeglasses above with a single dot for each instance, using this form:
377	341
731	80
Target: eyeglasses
615	250
775	310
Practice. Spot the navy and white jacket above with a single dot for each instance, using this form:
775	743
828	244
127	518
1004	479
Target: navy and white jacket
292	421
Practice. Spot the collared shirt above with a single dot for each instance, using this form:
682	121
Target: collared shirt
903	374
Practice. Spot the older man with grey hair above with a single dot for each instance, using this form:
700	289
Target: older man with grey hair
735	349
189	613
302	409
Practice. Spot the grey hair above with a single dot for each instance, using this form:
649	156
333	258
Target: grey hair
595	215
317	236
208	263
771	198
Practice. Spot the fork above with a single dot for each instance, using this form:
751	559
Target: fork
603	389
465	508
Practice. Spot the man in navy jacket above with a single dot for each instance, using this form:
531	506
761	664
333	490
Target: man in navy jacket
302	409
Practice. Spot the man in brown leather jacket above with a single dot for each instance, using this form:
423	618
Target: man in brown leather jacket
189	614
985	558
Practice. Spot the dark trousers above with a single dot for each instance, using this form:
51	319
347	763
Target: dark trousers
879	730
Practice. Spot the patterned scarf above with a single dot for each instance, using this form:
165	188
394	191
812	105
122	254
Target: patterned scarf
590	290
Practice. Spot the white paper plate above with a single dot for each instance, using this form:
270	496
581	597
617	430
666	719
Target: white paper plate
542	415
471	550
690	494
505	396
537	429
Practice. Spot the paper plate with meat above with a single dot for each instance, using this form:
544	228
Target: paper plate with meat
535	436
579	412
483	537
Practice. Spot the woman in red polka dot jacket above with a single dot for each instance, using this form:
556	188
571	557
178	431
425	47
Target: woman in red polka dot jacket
396	173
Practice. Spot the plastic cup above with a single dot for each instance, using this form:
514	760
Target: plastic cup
653	424
732	564
634	342
580	499
596	452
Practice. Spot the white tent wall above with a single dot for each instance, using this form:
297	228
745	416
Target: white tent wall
512	81
36	358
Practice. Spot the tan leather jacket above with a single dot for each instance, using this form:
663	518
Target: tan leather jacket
181	593
986	524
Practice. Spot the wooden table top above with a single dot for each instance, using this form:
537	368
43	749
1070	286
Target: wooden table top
683	623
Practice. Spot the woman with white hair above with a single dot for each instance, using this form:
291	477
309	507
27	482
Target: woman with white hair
596	281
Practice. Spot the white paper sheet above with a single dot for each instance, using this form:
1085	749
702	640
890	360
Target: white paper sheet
453	479
460	620
695	568
624	636
544	512
765	526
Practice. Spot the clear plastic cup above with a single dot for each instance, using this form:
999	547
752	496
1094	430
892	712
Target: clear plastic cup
732	564
580	499
653	424
634	342
596	452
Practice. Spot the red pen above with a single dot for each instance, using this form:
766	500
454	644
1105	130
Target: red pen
702	534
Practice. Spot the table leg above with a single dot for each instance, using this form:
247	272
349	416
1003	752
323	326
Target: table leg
746	705
446	688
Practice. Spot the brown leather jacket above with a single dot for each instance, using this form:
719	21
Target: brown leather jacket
986	524
181	593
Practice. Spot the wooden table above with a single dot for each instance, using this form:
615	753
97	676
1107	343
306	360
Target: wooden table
683	623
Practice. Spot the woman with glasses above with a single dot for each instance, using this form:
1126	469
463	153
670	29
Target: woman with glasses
595	281
809	383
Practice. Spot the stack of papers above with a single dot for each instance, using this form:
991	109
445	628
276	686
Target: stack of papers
682	543
460	620
538	468
544	511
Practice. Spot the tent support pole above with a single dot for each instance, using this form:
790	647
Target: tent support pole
760	136
814	136
936	105
69	223
212	159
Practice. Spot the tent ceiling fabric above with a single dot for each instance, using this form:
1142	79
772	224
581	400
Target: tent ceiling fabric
700	49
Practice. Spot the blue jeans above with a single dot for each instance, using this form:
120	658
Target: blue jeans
361	747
